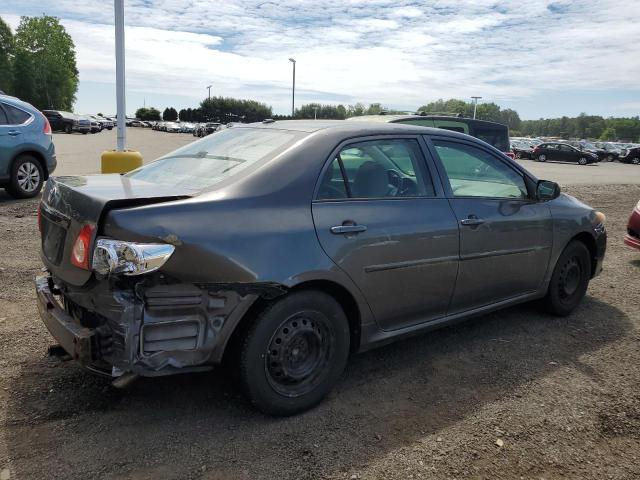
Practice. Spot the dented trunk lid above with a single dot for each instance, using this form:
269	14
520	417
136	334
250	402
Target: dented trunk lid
68	203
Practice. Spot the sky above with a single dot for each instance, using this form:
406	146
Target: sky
543	58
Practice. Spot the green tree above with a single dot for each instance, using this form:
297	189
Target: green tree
50	57
609	133
170	114
6	49
24	73
227	109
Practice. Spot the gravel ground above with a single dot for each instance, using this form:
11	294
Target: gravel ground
515	394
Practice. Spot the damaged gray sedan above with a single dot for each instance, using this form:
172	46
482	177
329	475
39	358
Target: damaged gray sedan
278	248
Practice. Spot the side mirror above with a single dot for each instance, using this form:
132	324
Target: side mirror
547	190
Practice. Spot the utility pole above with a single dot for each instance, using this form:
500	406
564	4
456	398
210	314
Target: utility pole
209	88
293	91
120	91
315	111
475	105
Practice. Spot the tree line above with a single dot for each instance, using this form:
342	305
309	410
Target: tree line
38	63
226	109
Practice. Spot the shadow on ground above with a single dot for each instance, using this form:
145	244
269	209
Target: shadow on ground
63	420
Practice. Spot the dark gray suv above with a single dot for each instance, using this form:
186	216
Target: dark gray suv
27	154
276	249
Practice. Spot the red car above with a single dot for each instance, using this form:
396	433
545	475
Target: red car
632	238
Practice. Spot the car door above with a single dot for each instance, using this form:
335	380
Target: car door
569	153
8	141
505	235
384	221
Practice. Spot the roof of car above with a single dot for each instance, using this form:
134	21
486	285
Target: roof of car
17	102
384	118
340	126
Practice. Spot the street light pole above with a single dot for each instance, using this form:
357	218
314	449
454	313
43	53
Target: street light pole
293	91
209	88
120	90
475	105
315	111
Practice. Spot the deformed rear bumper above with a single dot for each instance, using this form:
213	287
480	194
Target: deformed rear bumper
73	337
147	328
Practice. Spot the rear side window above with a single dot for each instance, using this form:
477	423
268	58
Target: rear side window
15	116
377	169
3	117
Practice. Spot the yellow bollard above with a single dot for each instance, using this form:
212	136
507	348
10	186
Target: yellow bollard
113	161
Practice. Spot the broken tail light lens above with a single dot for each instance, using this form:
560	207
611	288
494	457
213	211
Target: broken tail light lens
113	257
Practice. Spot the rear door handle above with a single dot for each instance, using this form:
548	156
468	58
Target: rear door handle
341	229
13	133
471	221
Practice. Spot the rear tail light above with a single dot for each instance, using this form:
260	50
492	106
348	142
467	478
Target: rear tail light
47	126
81	251
510	155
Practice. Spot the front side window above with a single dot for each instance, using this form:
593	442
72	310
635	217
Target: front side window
216	157
377	169
472	172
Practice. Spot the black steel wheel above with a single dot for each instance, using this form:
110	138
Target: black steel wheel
294	352
570	279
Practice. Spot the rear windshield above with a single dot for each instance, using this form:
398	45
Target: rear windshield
497	138
216	157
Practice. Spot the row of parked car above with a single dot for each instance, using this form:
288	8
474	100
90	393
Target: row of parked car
69	122
196	129
580	151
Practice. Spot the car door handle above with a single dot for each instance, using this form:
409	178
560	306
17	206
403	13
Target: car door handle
471	221
341	229
13	133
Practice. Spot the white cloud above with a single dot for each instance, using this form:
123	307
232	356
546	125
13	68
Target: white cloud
401	53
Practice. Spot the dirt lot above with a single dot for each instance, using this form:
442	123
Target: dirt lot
560	396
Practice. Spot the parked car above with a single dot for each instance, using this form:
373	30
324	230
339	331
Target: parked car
563	152
27	154
632	238
281	247
631	155
104	123
583	145
172	127
613	152
522	149
207	129
495	134
67	122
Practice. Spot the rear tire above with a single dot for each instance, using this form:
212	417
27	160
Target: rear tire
293	353
68	129
27	177
570	279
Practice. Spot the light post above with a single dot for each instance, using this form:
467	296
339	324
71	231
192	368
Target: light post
120	160
120	91
475	105
209	88
315	111
293	91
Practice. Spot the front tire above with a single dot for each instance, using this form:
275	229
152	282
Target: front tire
68	129
542	158
27	177
635	161
293	353
582	161
570	279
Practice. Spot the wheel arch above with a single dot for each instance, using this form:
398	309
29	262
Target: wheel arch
590	242
35	154
346	300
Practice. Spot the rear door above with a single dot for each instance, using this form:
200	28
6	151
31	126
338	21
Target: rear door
505	236
384	221
9	141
